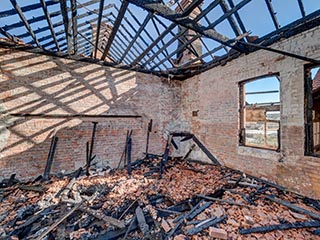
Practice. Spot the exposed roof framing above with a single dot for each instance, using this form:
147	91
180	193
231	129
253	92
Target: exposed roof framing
177	38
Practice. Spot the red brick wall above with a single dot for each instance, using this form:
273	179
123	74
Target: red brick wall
215	95
37	84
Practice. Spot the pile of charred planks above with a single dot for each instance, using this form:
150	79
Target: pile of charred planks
190	201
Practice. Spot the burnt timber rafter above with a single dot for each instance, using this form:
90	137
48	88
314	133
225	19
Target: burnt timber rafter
25	22
74	25
64	11
47	15
115	28
98	27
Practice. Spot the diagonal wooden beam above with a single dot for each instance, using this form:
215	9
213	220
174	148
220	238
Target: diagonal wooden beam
74	25
302	10
47	15
273	14
230	18
25	22
239	20
64	11
98	28
115	28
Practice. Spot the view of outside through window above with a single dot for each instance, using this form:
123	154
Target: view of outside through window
315	76
261	112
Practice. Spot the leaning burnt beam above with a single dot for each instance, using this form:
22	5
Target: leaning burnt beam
74	25
303	12
163	34
239	20
98	27
186	22
273	14
145	22
64	12
25	22
231	20
47	15
115	28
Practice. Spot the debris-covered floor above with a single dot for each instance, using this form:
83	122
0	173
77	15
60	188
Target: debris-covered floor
190	201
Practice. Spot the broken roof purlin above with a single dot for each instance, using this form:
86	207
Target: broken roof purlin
141	41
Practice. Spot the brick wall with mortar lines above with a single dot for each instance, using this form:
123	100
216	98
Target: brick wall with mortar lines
215	93
37	84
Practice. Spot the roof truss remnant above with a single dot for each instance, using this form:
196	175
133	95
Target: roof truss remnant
177	38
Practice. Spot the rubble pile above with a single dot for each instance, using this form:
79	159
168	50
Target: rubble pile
188	201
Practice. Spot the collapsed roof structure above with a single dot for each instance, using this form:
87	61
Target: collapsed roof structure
149	36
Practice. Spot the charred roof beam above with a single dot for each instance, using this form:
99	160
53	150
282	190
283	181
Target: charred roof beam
302	10
25	22
115	28
273	14
74	25
47	15
64	11
98	28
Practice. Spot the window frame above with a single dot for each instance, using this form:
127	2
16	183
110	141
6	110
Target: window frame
308	111
241	136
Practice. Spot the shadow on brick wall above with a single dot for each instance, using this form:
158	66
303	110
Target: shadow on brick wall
46	87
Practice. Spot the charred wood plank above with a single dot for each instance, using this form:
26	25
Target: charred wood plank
206	151
293	207
113	221
129	148
144	227
222	201
286	226
205	224
197	210
52	150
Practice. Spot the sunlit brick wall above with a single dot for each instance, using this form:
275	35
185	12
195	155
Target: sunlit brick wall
37	84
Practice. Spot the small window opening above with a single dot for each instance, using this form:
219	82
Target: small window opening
312	110
260	113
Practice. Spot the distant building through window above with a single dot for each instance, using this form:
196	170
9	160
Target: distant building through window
260	113
312	125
